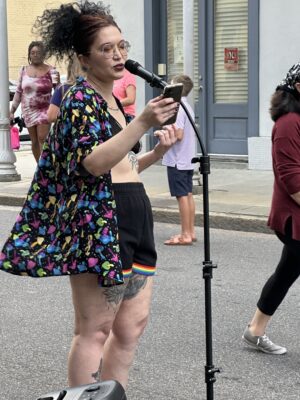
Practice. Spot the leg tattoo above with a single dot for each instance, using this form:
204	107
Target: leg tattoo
135	285
96	375
114	295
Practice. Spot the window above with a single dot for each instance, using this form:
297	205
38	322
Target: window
175	37
177	61
231	51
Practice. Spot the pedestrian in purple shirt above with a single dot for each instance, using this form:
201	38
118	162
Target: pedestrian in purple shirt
73	72
284	216
180	168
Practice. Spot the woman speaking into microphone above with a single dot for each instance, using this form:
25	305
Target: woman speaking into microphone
87	195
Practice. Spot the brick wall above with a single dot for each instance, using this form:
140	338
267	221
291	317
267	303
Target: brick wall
21	15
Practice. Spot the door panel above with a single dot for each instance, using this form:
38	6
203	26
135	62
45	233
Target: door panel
223	60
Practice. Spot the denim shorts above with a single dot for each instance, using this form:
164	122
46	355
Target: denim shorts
180	181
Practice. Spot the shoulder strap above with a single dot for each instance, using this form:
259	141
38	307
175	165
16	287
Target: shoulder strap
64	90
119	105
22	72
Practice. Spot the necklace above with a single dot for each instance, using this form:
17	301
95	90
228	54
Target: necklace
94	85
112	108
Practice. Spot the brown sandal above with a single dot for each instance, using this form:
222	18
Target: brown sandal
177	241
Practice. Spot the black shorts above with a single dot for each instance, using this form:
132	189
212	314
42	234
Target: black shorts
135	223
180	181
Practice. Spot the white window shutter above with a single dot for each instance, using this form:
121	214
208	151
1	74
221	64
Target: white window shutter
175	41
175	37
231	32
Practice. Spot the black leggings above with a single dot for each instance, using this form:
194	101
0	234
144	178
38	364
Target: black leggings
286	273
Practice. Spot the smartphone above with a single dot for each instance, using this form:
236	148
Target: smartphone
174	91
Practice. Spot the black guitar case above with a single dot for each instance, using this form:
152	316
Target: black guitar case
106	390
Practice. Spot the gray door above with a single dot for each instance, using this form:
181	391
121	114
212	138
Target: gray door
224	75
220	51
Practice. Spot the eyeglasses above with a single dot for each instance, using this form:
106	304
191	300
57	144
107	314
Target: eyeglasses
108	50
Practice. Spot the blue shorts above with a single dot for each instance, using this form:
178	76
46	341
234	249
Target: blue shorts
180	181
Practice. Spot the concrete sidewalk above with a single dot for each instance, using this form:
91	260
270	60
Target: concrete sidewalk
239	199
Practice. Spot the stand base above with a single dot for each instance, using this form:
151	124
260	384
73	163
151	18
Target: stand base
106	390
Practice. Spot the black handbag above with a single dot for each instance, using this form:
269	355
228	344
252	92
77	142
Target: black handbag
20	122
106	390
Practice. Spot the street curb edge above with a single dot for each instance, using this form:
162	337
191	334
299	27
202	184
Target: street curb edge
224	221
232	222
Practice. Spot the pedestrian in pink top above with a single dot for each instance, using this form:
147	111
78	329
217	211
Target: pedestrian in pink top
125	90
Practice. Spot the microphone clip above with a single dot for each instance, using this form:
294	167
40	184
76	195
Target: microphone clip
157	82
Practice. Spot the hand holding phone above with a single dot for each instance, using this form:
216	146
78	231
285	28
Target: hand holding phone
174	91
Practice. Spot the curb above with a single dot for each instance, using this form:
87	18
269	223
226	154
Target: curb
13	201
234	222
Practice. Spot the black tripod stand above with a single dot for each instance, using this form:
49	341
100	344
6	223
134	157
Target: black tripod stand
208	266
210	371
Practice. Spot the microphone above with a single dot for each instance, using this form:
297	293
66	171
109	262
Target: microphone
136	69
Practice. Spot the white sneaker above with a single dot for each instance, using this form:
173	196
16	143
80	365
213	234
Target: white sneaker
262	343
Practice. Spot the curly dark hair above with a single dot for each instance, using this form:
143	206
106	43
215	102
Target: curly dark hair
72	27
283	102
35	43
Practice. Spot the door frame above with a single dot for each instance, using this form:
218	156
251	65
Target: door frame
253	69
155	21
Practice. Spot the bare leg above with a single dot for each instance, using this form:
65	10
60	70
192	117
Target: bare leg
259	323
192	215
42	132
127	328
185	217
95	311
35	147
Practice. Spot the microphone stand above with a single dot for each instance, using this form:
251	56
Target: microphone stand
204	169
208	266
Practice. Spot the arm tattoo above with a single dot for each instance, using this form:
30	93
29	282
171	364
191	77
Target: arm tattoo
133	160
114	295
135	284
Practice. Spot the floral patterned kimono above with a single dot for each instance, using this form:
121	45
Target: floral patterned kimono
68	223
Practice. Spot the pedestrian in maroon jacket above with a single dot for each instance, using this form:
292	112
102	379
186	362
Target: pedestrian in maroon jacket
284	216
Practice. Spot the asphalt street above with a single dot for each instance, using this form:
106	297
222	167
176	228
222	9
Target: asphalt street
36	325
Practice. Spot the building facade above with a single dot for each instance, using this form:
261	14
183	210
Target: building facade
20	18
237	51
22	14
